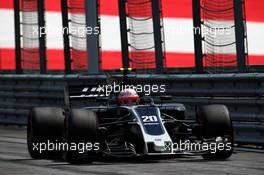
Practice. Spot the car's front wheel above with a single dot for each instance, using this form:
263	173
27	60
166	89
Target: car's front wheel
216	124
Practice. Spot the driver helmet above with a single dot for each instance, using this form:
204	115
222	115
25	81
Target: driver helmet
128	97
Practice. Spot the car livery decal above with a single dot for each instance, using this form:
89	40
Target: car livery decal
150	119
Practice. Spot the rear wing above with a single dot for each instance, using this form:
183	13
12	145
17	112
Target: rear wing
83	95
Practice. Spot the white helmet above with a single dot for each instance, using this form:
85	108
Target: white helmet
128	97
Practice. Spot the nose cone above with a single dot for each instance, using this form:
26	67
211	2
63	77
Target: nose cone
159	147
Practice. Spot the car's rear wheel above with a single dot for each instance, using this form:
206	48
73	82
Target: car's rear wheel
216	123
44	130
81	127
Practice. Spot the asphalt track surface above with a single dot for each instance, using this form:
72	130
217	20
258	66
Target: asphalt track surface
14	160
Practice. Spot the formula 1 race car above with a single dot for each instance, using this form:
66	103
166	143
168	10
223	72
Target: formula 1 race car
125	126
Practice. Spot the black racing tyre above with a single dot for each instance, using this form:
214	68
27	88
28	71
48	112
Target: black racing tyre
216	122
81	127
45	127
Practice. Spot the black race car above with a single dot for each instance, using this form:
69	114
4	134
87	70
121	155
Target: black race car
116	129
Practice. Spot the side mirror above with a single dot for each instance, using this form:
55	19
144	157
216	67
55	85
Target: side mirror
102	99
146	100
167	97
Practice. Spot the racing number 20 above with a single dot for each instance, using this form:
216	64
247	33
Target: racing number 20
151	118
